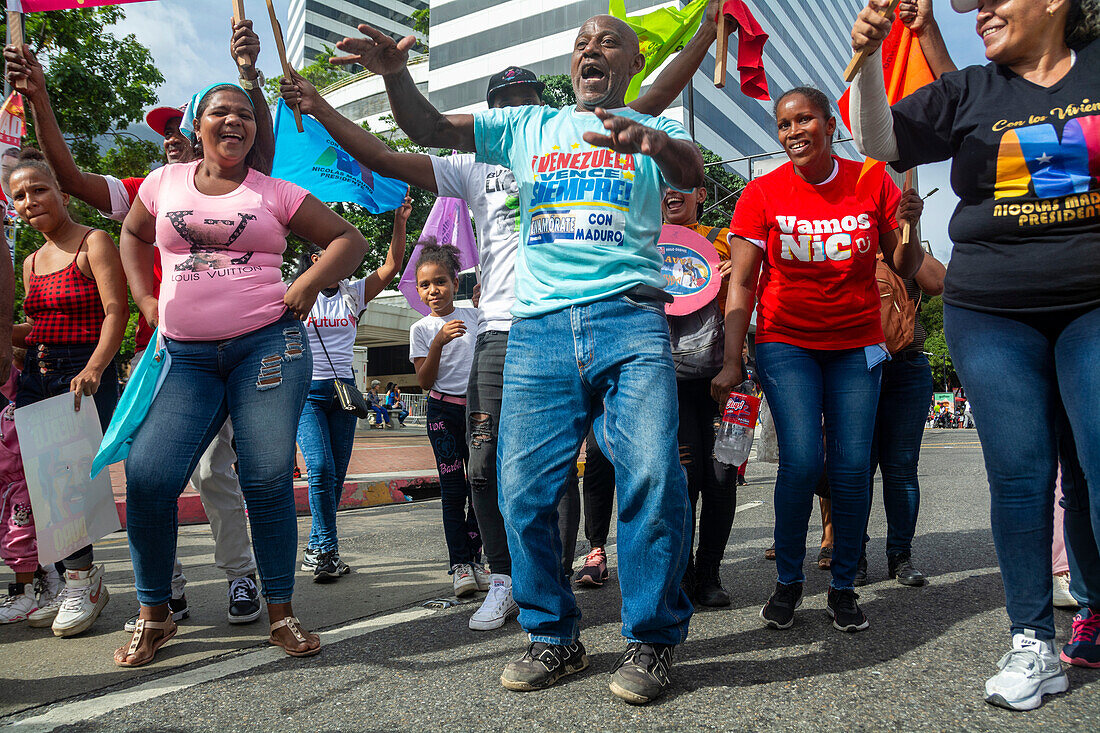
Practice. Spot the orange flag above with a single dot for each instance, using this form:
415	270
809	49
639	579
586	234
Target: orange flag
905	70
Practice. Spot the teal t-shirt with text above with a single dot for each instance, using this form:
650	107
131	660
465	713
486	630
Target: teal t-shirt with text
590	216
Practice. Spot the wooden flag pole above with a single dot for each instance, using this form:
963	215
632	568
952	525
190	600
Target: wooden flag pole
907	226
857	61
721	52
278	31
15	38
238	16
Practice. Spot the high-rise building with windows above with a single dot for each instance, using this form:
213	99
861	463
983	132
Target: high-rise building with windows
313	24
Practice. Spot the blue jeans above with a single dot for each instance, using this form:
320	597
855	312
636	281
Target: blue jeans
326	433
1018	374
260	380
447	433
902	411
607	361
803	385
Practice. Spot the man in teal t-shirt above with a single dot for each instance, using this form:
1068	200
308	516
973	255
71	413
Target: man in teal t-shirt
589	343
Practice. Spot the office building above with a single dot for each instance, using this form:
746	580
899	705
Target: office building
313	24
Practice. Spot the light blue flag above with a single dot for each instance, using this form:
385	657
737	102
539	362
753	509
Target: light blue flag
314	161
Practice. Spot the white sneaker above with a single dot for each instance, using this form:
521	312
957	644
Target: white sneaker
1062	596
497	607
16	608
481	575
1028	672
462	575
81	601
49	588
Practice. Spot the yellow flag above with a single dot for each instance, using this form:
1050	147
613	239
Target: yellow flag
660	34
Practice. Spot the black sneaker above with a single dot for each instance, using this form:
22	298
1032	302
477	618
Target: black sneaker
901	567
641	674
327	570
708	588
178	607
342	566
244	600
778	612
309	559
542	665
846	613
861	571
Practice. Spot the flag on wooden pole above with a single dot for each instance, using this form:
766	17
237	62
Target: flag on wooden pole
39	6
661	33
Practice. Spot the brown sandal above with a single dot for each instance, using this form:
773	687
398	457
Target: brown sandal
295	628
135	641
825	558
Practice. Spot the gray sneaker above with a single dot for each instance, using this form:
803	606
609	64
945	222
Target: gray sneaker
1028	672
642	672
542	665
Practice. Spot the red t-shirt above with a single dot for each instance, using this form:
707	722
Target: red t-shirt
817	288
144	331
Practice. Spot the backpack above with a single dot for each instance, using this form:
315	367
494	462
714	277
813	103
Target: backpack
897	311
698	339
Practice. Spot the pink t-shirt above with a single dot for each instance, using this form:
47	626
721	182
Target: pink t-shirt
221	255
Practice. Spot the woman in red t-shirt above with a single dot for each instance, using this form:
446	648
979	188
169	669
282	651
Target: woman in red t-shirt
815	225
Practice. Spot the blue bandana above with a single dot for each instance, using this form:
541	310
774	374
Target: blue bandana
187	124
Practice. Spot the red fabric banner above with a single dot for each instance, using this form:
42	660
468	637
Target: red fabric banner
750	49
38	6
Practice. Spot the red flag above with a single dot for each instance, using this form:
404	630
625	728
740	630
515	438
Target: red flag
750	49
38	6
904	70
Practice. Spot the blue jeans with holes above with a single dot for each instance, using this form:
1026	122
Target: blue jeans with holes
802	386
607	362
1019	373
326	433
260	380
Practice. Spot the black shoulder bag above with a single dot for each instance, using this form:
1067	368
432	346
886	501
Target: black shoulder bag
351	399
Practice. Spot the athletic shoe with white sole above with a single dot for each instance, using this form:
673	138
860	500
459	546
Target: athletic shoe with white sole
481	575
1062	597
642	672
1028	672
845	612
244	600
81	601
309	559
462	577
497	606
48	587
1083	650
178	607
18	605
542	665
778	612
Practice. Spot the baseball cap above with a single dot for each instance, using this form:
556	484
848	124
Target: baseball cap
512	76
159	117
964	6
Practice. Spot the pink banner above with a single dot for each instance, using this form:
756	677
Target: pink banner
38	6
448	223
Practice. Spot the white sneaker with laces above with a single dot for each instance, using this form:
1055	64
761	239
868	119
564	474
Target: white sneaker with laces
462	576
497	607
16	608
1062	596
82	600
481	575
1028	672
49	588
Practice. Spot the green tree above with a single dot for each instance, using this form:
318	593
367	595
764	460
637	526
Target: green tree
319	72
422	22
943	370
558	91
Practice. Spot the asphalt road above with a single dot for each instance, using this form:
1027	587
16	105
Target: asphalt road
390	664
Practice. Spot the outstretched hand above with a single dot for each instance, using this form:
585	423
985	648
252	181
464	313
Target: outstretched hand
871	27
626	136
298	92
24	66
245	44
375	51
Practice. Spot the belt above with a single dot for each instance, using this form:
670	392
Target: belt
446	397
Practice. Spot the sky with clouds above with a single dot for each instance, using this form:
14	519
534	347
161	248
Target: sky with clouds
189	40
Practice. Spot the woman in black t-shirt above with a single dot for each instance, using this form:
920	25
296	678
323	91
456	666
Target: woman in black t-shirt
1022	293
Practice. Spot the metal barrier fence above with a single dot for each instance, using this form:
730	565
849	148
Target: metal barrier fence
416	404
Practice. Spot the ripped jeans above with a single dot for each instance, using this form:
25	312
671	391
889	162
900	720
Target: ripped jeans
260	380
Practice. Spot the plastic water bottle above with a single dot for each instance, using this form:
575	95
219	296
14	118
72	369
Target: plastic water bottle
734	439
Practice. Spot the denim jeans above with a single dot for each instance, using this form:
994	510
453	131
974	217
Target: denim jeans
803	386
483	396
326	433
607	362
902	410
1018	373
48	370
447	433
260	380
1083	558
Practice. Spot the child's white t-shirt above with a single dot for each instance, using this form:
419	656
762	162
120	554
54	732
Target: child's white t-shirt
457	356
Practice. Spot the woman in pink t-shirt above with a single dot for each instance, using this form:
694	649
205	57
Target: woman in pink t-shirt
238	349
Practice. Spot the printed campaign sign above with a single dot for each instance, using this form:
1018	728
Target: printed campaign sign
58	444
690	267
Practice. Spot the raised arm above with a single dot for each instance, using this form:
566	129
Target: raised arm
917	17
412	168
679	160
905	257
422	122
669	83
344	247
930	275
868	106
246	44
90	188
377	281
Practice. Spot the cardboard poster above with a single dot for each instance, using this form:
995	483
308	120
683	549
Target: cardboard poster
690	267
58	444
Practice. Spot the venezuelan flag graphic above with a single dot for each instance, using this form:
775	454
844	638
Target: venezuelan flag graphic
1033	159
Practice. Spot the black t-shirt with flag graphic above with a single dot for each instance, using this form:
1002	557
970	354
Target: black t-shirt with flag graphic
1026	168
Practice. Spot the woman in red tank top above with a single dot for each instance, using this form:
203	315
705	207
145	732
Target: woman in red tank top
76	312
